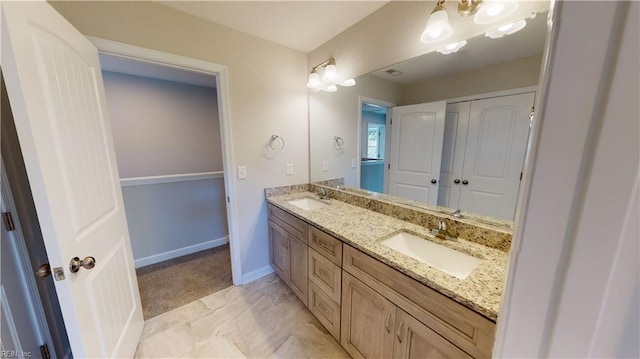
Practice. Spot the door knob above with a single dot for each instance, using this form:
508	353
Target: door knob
456	181
465	182
434	181
43	271
86	263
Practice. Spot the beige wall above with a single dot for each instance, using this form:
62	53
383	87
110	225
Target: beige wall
266	89
519	73
336	114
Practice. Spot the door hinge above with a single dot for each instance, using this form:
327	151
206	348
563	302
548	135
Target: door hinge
520	176
389	166
228	199
391	122
7	218
44	351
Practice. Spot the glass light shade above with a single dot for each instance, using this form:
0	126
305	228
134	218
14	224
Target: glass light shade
347	83
332	88
495	10
438	28
506	30
451	48
314	80
330	74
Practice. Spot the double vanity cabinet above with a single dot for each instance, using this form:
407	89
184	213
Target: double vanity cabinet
370	308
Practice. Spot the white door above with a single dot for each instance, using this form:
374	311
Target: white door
455	140
55	88
416	151
495	153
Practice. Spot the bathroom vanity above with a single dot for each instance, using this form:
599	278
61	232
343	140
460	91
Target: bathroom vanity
375	300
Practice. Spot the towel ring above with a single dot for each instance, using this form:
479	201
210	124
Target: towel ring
276	143
338	143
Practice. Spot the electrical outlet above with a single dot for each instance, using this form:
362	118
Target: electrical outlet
353	163
325	166
242	172
289	169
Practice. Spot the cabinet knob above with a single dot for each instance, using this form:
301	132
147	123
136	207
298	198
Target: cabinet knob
456	181
465	182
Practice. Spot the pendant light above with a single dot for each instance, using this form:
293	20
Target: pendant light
438	27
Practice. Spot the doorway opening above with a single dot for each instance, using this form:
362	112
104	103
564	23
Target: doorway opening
373	149
171	137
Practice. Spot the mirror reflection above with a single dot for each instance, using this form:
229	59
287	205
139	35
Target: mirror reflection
441	130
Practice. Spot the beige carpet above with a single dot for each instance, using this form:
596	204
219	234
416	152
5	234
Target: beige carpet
171	284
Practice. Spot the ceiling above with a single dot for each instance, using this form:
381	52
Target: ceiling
479	52
300	25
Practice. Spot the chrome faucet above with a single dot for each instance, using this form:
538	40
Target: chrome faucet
441	231
323	194
457	213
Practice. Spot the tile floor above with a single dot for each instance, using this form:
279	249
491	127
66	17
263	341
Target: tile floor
262	319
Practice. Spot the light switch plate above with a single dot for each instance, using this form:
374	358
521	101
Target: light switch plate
325	166
353	163
289	169
242	172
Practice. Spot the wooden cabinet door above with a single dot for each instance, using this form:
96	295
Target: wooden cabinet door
279	251
367	320
415	340
298	280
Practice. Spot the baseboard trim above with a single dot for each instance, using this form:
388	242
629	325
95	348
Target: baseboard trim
160	257
256	274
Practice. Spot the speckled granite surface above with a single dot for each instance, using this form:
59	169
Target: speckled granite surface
482	230
278	191
363	229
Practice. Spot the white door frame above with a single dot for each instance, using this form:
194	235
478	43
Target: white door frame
220	72
388	105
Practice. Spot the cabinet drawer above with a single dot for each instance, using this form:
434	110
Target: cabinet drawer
325	309
293	225
325	275
460	325
326	245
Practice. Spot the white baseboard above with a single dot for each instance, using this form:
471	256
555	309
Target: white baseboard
256	274
160	257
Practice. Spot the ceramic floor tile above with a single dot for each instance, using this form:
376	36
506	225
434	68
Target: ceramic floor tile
259	320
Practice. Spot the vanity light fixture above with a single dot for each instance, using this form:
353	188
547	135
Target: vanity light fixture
438	27
495	10
329	78
484	11
506	30
451	48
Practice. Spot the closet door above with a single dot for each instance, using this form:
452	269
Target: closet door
455	140
494	155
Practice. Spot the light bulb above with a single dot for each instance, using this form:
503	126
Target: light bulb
331	88
347	83
314	80
506	30
451	48
495	10
438	27
330	74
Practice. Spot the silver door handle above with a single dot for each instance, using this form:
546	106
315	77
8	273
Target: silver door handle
86	263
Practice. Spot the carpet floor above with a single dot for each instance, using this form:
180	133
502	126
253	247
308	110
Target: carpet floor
171	284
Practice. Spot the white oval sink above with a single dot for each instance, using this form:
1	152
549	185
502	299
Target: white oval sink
448	260
307	203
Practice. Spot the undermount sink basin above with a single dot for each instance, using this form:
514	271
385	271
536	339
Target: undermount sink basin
307	204
450	261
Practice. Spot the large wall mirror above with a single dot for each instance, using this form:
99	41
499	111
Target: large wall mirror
440	130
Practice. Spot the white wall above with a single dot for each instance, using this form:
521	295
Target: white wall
522	72
162	127
336	114
264	98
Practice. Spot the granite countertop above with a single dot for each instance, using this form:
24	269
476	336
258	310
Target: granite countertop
360	228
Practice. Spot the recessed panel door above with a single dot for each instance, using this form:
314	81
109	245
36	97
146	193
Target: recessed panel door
416	150
495	154
56	92
455	140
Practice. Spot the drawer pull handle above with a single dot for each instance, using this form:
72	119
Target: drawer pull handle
386	324
323	245
398	332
